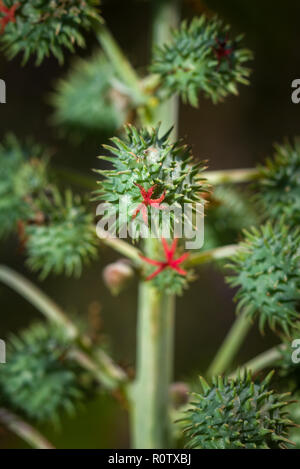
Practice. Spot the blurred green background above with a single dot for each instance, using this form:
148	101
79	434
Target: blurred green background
238	133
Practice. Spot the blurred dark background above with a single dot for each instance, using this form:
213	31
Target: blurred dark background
238	133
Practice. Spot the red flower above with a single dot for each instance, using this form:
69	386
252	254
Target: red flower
169	262
222	51
8	15
147	201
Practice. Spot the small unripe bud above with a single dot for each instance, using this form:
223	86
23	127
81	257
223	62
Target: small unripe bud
117	275
179	394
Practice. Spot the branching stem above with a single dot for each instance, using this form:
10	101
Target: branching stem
231	176
222	176
211	255
150	392
23	430
262	361
231	345
156	310
101	366
120	63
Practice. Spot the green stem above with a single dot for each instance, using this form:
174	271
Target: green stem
151	426
120	246
120	63
23	430
104	370
222	176
101	366
211	255
37	298
150	393
165	18
262	361
231	345
227	176
87	182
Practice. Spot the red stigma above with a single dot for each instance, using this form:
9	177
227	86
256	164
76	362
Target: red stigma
222	50
147	201
169	262
8	15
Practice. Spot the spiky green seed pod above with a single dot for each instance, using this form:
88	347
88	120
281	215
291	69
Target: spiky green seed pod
229	211
40	380
237	414
201	57
65	241
149	160
22	175
267	273
118	275
279	183
90	99
47	27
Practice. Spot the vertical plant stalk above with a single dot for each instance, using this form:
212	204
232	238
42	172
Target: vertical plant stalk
150	398
156	310
165	18
231	345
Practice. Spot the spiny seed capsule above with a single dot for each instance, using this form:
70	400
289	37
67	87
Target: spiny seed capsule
266	271
236	414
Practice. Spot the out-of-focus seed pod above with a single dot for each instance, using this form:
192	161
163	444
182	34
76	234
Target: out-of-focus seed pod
179	393
117	275
237	414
